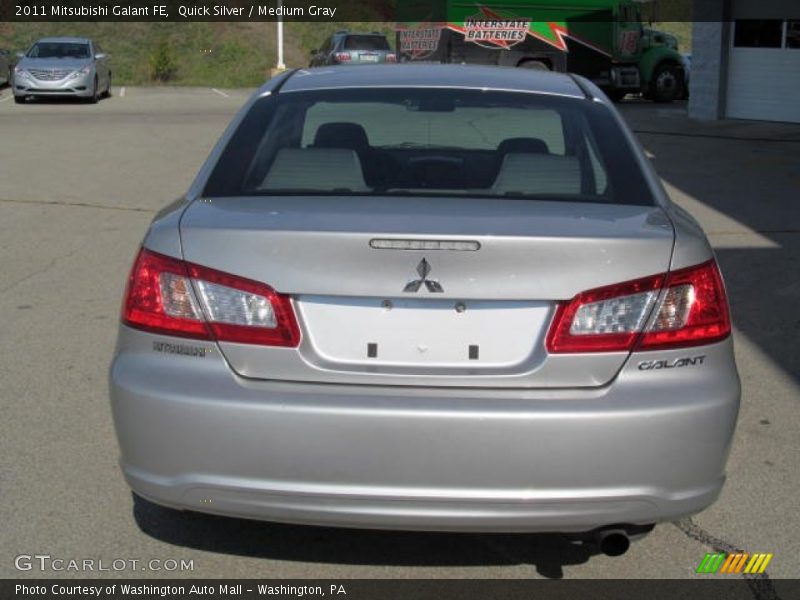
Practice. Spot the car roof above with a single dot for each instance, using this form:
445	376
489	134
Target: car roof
74	40
434	76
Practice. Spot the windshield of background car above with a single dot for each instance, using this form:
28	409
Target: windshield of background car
59	50
430	142
366	42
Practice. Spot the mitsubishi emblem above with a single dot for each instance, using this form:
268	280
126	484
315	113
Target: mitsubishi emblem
423	270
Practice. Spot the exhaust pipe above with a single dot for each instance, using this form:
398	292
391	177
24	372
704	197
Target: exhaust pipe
613	542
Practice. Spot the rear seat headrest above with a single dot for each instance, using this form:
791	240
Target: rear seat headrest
528	145
341	135
528	173
315	169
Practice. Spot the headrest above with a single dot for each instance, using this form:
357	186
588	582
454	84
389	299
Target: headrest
325	169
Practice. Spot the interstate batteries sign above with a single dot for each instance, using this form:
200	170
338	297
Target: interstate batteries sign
499	29
495	33
421	41
488	28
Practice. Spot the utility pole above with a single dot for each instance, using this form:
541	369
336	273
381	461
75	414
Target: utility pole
280	66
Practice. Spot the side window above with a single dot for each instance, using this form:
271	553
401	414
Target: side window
600	179
758	33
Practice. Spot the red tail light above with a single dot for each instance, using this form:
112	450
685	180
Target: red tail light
390	58
342	56
682	308
167	295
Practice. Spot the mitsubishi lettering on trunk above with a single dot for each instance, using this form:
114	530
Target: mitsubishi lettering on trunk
428	297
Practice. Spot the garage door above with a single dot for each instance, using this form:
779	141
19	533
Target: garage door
763	68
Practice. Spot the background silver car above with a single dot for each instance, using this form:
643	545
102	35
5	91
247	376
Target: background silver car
62	66
428	297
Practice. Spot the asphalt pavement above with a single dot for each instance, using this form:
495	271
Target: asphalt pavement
79	184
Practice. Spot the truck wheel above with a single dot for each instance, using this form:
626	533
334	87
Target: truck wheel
536	65
666	84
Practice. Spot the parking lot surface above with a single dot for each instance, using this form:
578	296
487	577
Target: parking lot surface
78	186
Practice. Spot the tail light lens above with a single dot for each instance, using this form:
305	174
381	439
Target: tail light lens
682	308
167	295
343	56
391	58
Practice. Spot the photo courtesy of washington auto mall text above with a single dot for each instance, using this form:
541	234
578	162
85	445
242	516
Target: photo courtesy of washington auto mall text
178	590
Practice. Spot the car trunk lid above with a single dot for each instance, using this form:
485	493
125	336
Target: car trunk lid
425	291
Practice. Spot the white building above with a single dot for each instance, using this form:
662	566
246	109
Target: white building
745	60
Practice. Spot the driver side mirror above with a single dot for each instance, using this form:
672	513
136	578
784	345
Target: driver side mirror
20	54
100	56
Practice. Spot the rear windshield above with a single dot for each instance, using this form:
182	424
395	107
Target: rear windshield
430	142
366	42
59	50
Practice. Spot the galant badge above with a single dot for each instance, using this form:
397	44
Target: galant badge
424	269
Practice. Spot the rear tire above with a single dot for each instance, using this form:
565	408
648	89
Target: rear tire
536	65
666	84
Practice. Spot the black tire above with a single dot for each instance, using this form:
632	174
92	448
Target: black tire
95	97
666	84
536	65
107	93
19	99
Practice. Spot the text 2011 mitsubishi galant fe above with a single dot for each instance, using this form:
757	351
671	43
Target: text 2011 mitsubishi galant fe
427	297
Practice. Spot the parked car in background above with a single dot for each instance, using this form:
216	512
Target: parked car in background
428	297
5	67
62	66
345	48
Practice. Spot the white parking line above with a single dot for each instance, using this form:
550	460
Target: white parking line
122	92
220	93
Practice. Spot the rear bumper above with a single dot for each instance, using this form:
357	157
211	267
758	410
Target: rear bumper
641	450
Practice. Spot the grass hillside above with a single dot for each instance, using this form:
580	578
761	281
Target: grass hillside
216	54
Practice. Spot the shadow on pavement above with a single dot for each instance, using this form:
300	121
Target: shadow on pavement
548	553
62	100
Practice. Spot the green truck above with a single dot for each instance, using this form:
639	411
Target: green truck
602	40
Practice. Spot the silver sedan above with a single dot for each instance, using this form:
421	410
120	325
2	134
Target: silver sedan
432	298
62	67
